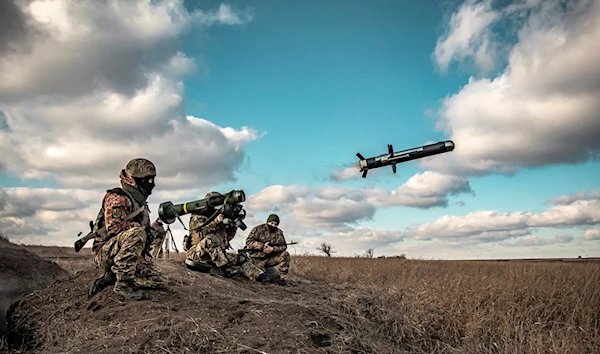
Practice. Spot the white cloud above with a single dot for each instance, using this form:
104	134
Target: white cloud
591	234
271	197
77	47
533	241
423	190
490	226
542	109
468	36
346	174
89	86
341	204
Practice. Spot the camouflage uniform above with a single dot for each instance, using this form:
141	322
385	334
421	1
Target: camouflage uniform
156	250
121	256
261	234
209	245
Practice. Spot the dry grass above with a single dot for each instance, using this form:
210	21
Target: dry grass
469	306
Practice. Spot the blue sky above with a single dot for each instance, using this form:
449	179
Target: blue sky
289	92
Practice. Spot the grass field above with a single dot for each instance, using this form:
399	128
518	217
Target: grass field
472	306
392	305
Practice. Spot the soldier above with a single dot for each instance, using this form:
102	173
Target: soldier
269	246
123	255
208	246
156	248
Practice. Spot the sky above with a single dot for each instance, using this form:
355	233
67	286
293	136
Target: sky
276	98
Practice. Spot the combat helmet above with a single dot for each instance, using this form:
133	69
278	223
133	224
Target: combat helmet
140	168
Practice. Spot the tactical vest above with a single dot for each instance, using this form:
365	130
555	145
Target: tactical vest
141	218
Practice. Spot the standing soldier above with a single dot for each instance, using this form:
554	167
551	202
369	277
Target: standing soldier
123	253
208	246
268	246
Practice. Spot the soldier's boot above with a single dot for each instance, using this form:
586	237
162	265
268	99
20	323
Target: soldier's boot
230	271
268	278
128	290
108	278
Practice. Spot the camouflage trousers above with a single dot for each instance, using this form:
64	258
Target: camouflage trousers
209	250
280	260
156	250
122	255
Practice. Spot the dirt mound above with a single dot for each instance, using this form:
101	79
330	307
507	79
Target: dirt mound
21	272
200	313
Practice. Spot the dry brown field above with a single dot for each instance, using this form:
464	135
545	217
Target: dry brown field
511	306
330	305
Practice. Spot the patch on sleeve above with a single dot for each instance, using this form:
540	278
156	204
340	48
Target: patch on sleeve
117	212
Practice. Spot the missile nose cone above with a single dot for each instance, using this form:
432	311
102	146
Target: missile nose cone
449	145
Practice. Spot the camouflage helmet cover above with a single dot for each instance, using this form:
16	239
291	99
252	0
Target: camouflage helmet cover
140	168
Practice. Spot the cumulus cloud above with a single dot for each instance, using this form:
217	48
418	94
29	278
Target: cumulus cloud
591	234
542	108
423	190
468	37
88	86
345	174
491	226
333	205
76	47
533	240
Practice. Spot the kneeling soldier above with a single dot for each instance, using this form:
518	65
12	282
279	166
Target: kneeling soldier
269	246
208	247
123	253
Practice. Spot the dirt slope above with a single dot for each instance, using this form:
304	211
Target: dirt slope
198	313
22	272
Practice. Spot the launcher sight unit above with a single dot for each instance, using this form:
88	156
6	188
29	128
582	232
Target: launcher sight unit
392	158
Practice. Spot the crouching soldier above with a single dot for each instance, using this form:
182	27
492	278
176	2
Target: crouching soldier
208	246
268	246
123	253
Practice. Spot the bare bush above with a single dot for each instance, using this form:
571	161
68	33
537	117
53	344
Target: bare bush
326	248
369	253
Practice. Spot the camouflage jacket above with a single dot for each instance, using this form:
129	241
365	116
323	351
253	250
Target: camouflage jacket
117	206
260	235
224	234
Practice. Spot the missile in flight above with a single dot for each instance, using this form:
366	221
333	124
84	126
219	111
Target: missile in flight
392	158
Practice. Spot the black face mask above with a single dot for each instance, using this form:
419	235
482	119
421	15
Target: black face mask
145	184
272	228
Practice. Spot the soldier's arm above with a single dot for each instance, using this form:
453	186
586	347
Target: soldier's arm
252	241
280	242
116	208
231	230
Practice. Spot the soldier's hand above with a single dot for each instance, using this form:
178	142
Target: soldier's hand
267	249
148	257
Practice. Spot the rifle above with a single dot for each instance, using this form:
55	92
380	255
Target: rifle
245	250
82	241
101	232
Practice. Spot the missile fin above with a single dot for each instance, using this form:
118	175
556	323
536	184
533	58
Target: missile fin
364	174
360	156
394	168
390	150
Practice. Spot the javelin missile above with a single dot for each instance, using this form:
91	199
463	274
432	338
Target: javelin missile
393	158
